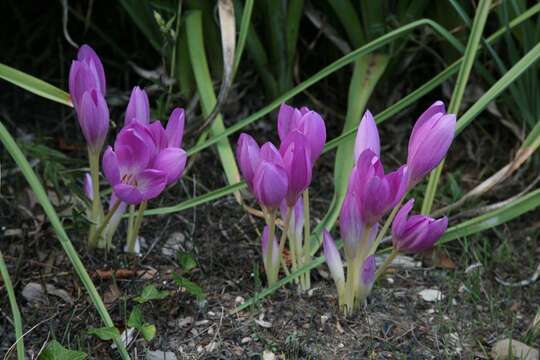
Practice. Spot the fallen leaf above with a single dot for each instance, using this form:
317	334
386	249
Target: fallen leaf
34	292
268	355
160	355
431	295
264	324
513	349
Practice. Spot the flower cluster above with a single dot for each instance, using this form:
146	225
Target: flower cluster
145	157
279	179
372	193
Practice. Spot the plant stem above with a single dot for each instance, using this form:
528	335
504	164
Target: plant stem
271	273
283	238
306	255
385	227
105	221
386	263
17	321
136	228
97	210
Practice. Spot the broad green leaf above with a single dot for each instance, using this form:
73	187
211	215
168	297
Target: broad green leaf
192	288
34	85
186	261
148	331
104	333
243	34
55	351
135	318
149	293
208	96
136	321
41	196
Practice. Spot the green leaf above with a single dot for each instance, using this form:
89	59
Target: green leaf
186	260
15	311
149	293
190	286
135	318
148	331
67	245
34	85
55	351
194	28
136	321
105	333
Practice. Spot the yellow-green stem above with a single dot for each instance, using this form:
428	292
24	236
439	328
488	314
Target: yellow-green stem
385	227
386	263
306	255
105	221
131	219
271	273
97	211
286	224
136	228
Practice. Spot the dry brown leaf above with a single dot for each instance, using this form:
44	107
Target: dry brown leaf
512	349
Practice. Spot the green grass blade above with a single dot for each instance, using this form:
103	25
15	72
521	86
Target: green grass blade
379	118
70	251
459	90
196	201
143	16
243	34
348	17
15	312
207	95
34	85
493	218
515	71
328	70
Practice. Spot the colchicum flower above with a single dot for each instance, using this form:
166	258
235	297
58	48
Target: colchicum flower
138	108
248	156
367	136
429	142
87	90
333	260
416	233
126	167
367	277
307	122
270	183
265	244
376	192
296	153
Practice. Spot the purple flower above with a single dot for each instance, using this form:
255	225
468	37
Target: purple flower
93	115
333	259
367	277
138	108
86	73
163	145
296	154
87	90
308	122
367	136
270	184
430	140
265	244
248	157
375	192
353	229
416	233
87	186
126	167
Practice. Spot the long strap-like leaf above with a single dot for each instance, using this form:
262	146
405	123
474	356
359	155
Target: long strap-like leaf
70	251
